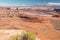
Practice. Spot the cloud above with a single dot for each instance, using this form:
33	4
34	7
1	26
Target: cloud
11	4
7	5
53	4
23	5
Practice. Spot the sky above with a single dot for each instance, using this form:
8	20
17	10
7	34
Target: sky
29	2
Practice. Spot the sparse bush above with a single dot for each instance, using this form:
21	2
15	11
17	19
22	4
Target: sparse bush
28	36
25	36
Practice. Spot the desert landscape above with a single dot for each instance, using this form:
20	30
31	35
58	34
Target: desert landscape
44	21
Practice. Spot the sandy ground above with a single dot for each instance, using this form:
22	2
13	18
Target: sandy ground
42	25
44	30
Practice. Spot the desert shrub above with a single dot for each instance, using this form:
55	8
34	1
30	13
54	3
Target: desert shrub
15	37
26	36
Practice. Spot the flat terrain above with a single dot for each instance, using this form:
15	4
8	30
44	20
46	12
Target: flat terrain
45	27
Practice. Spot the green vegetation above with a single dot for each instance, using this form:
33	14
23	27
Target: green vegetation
26	36
15	37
